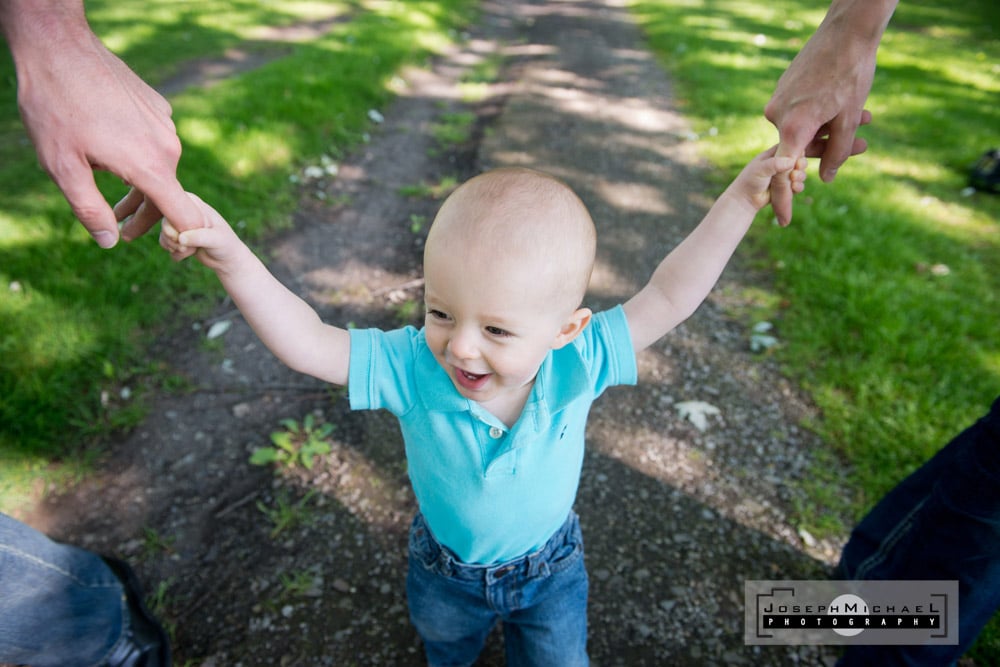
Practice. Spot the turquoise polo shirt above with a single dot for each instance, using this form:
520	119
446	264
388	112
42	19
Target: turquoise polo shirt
489	493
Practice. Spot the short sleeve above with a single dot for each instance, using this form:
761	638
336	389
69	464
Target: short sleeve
606	349
381	374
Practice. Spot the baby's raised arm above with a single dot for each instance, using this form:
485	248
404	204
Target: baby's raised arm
287	325
686	276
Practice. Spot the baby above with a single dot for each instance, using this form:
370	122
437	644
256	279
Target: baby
492	394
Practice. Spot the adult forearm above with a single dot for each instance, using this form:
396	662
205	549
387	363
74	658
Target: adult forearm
863	19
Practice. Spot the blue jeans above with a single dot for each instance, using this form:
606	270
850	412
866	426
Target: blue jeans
60	606
541	599
941	522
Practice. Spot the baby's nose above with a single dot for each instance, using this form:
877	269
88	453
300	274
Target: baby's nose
463	345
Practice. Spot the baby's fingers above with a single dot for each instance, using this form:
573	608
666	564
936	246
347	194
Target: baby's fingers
797	175
167	230
170	240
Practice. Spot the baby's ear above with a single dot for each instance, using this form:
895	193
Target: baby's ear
576	323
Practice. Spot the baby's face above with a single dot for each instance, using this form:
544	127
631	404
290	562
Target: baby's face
490	333
505	266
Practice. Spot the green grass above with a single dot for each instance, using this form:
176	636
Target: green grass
898	357
76	323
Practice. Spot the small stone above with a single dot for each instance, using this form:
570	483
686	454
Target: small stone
218	329
242	410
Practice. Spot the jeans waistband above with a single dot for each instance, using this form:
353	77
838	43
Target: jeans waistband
530	565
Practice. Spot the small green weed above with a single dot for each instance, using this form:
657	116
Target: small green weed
437	190
174	383
153	543
286	515
408	312
417	222
475	85
297	445
297	584
416	191
159	601
453	129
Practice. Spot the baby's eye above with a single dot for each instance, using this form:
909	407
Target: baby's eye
436	314
497	331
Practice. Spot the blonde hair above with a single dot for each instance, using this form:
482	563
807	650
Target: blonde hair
518	218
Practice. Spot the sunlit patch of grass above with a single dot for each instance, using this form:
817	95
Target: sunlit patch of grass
851	261
889	277
156	36
74	319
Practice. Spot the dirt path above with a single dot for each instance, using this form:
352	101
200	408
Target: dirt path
675	518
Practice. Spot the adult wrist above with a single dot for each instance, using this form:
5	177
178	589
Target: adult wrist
33	24
861	21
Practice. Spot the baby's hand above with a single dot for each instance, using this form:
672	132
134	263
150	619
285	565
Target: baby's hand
754	182
170	241
215	244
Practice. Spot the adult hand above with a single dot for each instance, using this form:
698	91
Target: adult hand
84	109
819	100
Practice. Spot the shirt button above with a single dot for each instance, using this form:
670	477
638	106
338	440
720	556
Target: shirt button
496	432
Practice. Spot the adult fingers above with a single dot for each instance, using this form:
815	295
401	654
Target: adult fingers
160	198
838	148
76	180
172	201
128	204
138	213
817	147
141	220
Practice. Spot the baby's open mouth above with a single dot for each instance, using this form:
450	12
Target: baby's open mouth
471	381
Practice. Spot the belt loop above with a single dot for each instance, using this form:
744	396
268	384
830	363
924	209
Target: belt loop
538	562
531	564
444	561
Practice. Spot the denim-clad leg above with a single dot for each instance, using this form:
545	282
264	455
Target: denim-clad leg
941	522
552	628
541	598
60	606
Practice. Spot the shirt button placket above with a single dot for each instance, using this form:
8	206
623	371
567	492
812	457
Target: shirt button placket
496	432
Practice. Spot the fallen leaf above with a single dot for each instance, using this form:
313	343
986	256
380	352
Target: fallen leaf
697	412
